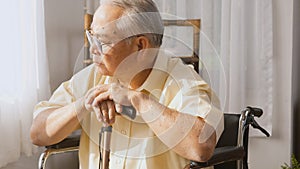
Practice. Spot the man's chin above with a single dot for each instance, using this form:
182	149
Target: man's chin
102	71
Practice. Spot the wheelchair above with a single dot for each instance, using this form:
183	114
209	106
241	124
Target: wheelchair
231	151
232	148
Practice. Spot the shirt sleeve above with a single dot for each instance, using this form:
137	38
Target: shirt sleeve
196	98
62	96
69	91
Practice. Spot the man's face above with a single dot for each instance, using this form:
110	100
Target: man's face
114	50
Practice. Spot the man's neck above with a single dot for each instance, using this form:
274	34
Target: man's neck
146	67
139	79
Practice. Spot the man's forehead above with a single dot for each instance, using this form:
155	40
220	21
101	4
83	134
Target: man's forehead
108	31
105	18
107	13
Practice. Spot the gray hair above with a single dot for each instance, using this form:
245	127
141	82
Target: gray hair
143	16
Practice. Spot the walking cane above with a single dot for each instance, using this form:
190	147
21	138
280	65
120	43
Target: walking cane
105	137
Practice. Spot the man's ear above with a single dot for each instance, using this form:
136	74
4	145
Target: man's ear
142	42
140	46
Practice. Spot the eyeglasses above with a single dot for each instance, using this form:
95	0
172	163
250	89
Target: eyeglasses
102	47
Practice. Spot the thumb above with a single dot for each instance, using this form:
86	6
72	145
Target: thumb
118	107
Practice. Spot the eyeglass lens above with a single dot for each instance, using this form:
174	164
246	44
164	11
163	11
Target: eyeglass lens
93	40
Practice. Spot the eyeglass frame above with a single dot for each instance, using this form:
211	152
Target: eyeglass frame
94	40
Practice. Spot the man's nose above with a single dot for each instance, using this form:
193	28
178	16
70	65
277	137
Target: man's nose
94	50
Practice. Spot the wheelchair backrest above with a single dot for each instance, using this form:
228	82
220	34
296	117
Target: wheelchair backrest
229	136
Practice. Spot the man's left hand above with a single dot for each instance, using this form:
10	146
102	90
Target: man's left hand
103	97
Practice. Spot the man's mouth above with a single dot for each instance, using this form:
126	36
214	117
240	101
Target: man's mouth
98	64
97	59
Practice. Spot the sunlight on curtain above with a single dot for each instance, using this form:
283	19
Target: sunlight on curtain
236	48
24	75
247	56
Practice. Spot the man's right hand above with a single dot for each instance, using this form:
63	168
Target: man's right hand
105	111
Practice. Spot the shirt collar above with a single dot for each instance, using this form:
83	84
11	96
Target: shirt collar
158	75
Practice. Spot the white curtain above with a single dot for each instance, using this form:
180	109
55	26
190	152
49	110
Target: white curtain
24	74
247	56
236	50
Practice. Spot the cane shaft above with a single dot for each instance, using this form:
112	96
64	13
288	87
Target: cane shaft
105	147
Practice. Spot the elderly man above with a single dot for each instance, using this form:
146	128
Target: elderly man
178	118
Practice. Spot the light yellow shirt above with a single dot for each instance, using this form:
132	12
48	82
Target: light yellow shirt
134	145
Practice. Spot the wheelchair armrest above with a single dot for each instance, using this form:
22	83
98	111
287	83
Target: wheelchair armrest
69	144
71	141
221	155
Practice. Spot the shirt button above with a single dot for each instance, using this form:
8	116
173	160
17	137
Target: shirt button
123	132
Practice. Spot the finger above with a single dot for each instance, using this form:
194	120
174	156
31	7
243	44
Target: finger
101	98
118	108
90	91
111	111
98	113
94	92
88	99
104	111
